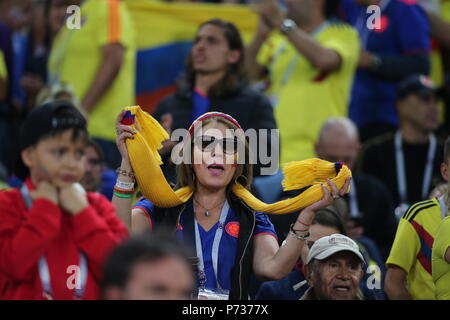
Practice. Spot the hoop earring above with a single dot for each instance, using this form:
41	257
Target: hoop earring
237	178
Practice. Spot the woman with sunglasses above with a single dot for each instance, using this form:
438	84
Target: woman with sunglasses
231	240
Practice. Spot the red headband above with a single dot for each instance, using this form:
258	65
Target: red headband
213	114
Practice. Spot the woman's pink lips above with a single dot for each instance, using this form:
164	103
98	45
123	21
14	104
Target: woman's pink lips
215	172
216	169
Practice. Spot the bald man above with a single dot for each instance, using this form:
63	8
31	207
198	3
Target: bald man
371	208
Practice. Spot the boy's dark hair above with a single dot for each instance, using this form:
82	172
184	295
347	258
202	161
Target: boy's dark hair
148	247
329	217
447	150
47	120
235	74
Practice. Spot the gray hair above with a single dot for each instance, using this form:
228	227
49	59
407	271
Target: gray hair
338	123
314	265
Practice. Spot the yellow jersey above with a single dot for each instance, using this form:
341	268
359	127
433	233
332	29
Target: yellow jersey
3	69
77	55
304	97
412	247
441	268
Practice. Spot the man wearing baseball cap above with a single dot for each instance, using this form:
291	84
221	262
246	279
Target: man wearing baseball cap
333	269
408	160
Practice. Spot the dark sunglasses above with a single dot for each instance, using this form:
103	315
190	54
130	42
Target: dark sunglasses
208	143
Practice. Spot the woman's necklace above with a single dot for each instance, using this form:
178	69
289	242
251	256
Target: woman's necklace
206	213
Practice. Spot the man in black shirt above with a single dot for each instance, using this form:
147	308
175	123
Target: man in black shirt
408	161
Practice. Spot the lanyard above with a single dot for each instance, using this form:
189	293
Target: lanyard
443	206
353	199
400	163
364	31
215	247
44	272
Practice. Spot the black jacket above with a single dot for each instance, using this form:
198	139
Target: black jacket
250	108
378	159
169	218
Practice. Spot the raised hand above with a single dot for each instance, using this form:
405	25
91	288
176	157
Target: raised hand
45	190
124	132
264	28
271	16
329	197
304	220
72	199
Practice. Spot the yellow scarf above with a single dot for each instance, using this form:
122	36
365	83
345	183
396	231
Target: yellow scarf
146	162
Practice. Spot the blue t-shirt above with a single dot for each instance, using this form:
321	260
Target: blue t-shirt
228	243
405	30
200	103
109	178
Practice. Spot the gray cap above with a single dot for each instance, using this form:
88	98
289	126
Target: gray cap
329	245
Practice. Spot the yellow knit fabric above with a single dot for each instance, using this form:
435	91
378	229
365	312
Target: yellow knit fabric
146	162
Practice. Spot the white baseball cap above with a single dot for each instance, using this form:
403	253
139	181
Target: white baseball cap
329	245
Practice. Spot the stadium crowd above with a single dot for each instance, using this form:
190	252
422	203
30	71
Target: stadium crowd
349	97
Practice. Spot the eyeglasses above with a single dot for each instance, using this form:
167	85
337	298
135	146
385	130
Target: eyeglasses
208	143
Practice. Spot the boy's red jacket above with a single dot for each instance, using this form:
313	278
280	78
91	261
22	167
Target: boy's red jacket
26	235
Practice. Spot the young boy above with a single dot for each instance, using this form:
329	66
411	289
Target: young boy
54	237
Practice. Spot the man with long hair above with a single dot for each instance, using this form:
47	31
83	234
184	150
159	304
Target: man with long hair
215	80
